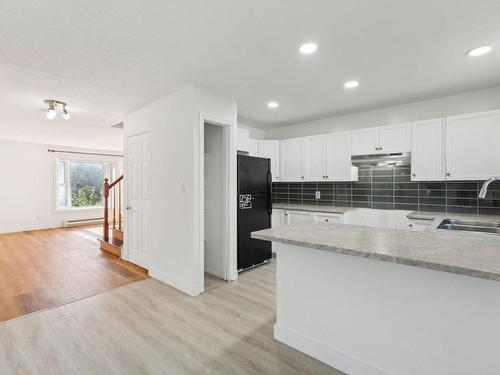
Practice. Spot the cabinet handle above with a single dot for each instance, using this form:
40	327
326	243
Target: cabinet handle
326	220
326	176
414	175
448	174
277	177
302	177
410	225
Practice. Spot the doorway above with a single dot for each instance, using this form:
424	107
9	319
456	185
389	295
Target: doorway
214	207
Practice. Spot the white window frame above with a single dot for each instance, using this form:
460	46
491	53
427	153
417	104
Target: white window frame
115	168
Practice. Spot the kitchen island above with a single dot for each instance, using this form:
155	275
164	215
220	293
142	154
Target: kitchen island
386	301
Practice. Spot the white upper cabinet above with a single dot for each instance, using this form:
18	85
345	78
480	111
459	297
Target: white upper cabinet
427	153
471	146
253	147
291	160
314	153
365	141
338	157
271	150
395	138
243	140
381	140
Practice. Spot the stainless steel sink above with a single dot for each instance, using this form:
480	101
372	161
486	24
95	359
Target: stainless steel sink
470	226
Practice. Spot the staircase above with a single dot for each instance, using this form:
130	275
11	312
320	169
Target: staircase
112	204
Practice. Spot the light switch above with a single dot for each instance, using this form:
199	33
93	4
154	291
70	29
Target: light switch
183	188
318	195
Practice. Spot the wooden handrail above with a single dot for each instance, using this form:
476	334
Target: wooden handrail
107	189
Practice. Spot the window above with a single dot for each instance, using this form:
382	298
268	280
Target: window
80	183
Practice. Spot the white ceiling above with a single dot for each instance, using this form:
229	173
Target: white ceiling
106	58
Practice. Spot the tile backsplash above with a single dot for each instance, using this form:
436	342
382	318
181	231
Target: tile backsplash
391	188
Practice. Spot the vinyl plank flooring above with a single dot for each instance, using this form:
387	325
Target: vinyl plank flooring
150	328
47	268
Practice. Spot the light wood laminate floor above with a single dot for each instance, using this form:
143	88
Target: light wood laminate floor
47	268
150	328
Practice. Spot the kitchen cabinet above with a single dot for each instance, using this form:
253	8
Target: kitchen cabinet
419	225
427	150
271	149
328	218
291	160
277	220
314	153
395	138
243	140
381	140
364	141
338	158
471	146
297	216
253	147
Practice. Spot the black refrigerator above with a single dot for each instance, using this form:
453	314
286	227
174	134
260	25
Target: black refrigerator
254	210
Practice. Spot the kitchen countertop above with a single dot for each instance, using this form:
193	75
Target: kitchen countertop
312	208
476	255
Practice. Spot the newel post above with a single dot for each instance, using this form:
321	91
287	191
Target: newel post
105	234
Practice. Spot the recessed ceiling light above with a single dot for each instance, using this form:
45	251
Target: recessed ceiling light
273	104
308	48
479	51
351	84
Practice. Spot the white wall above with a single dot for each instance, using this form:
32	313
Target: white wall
27	188
469	102
214	205
255	133
176	230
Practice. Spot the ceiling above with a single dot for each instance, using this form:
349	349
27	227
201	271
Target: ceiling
107	58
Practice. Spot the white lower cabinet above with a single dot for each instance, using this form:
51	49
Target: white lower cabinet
297	216
329	218
277	220
419	225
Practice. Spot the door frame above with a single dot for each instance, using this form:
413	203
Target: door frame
229	175
125	250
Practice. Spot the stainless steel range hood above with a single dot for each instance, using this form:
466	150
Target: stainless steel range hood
396	158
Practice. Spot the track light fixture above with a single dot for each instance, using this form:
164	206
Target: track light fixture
51	111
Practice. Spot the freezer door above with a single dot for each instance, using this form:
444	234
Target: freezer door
253	174
253	215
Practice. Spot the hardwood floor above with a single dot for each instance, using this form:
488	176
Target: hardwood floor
212	282
47	268
150	328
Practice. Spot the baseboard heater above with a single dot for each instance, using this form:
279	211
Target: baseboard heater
75	223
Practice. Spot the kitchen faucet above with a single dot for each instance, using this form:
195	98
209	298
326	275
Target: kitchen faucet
484	188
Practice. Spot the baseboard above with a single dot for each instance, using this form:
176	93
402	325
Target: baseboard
31	227
214	273
324	353
175	282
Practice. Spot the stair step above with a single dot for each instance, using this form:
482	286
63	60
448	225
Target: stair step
114	246
117	233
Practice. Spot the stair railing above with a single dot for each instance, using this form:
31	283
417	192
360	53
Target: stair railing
114	190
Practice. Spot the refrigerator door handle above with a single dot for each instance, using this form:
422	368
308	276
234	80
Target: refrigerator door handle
269	193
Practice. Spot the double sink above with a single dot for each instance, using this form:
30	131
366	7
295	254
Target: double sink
490	227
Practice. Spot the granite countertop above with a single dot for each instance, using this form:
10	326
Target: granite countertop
472	255
312	208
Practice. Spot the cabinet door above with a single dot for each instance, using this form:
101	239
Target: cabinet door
395	138
243	139
472	150
365	141
338	157
328	218
297	216
253	147
277	218
427	154
314	153
271	150
291	160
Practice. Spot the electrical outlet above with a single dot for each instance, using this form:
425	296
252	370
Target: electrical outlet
318	195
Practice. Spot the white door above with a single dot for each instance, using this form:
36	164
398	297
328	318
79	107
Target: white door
314	153
291	160
365	141
137	180
271	150
395	138
427	152
338	157
472	150
298	216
